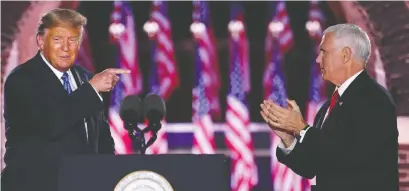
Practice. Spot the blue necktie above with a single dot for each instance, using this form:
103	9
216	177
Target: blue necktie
66	82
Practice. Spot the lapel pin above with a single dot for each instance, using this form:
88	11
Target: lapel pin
340	103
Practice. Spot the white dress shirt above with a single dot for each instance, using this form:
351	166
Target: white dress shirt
73	85
341	90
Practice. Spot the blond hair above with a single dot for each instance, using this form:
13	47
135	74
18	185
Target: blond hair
61	17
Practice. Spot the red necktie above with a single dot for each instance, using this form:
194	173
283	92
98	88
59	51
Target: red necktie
334	100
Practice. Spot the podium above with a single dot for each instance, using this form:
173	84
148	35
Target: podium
184	172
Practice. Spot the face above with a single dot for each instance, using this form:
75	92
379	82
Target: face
60	46
332	60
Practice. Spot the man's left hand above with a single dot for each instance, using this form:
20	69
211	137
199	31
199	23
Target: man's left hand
288	119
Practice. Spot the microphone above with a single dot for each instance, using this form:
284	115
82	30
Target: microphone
130	112
154	109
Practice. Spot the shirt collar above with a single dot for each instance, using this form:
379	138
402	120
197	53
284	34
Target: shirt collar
56	72
344	86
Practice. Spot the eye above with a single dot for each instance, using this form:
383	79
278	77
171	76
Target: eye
323	52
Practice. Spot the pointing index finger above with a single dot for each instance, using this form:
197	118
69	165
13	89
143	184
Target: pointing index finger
118	71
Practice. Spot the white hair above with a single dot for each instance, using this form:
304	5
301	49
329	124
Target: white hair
354	37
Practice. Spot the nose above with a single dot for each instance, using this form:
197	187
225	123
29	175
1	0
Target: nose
318	60
65	46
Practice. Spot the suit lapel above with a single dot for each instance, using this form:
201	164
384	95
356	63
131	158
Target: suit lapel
321	115
346	97
331	118
48	81
77	77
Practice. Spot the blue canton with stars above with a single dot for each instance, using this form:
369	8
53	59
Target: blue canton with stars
201	104
236	77
278	92
202	14
153	75
315	94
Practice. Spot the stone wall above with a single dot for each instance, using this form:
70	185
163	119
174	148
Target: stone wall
404	167
390	19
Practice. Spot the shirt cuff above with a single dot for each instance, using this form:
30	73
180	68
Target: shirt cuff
302	135
287	151
97	93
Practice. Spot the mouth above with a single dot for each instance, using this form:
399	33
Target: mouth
65	57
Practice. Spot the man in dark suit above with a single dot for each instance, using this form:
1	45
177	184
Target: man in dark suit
353	143
53	108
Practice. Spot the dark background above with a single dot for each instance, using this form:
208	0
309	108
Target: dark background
390	26
257	16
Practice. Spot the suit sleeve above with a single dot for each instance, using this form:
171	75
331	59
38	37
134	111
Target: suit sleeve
302	159
27	106
106	143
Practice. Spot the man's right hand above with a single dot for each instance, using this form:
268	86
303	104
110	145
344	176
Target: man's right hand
286	137
106	80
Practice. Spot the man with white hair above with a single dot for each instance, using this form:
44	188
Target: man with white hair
353	143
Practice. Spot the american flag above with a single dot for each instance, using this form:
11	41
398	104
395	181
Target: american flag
283	178
286	37
315	15
128	84
168	77
317	86
238	136
285	41
208	55
203	141
163	78
84	57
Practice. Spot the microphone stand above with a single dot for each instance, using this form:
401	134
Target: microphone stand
138	136
140	140
154	128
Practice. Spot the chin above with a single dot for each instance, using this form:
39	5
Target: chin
65	66
323	77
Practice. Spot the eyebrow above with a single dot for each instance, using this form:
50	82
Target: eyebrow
60	36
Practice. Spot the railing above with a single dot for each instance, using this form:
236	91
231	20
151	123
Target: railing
218	127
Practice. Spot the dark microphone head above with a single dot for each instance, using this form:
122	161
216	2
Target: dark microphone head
131	109
154	108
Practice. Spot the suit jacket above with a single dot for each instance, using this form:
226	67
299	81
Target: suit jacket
44	124
356	149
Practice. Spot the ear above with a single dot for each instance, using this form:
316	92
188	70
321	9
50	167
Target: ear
40	41
346	54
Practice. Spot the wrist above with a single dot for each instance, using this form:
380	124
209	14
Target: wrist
288	141
301	132
302	125
93	85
